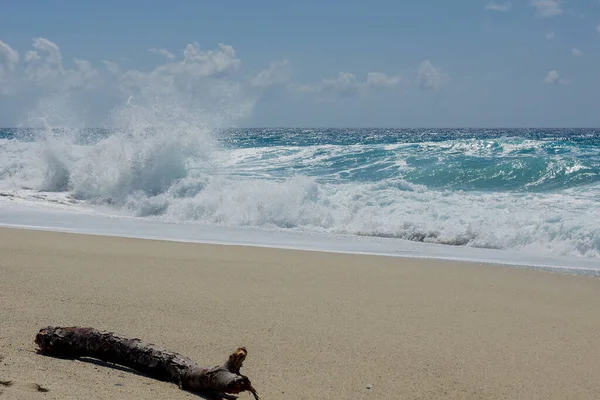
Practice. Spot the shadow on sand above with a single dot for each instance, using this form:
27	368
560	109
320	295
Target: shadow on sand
207	395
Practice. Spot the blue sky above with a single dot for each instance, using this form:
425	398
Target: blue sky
311	63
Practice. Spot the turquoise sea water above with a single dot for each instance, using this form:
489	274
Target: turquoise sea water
530	190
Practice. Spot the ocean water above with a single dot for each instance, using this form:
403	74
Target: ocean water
520	191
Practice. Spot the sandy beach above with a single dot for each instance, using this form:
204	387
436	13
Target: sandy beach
316	325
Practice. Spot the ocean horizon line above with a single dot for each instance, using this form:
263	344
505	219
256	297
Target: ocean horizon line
342	127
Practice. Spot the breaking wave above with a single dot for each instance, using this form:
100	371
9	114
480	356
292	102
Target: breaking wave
524	194
169	158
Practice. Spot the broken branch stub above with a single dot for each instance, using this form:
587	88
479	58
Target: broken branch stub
158	363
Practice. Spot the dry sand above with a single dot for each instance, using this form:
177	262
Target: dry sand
316	325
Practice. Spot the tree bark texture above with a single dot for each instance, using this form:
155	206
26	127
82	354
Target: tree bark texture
151	360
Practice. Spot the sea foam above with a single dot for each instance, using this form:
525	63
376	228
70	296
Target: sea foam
155	176
166	159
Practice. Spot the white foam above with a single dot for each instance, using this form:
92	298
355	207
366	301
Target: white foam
16	215
157	177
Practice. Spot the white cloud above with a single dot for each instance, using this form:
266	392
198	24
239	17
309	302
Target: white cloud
346	84
550	35
51	48
84	75
45	68
501	7
202	79
32	56
206	78
112	67
379	79
576	53
193	70
8	60
553	78
431	77
547	8
210	62
162	52
278	72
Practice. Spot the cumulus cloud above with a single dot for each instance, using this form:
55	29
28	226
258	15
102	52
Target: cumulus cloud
112	67
576	53
45	62
203	80
84	75
277	73
9	59
346	84
379	79
547	8
501	7
44	65
430	77
163	52
45	68
207	78
553	78
196	66
204	63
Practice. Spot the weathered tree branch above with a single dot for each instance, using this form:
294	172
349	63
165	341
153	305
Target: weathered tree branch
75	342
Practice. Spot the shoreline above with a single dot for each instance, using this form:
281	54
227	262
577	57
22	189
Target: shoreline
582	271
316	325
79	222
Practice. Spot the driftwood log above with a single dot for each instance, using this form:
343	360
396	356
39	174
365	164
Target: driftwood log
153	361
